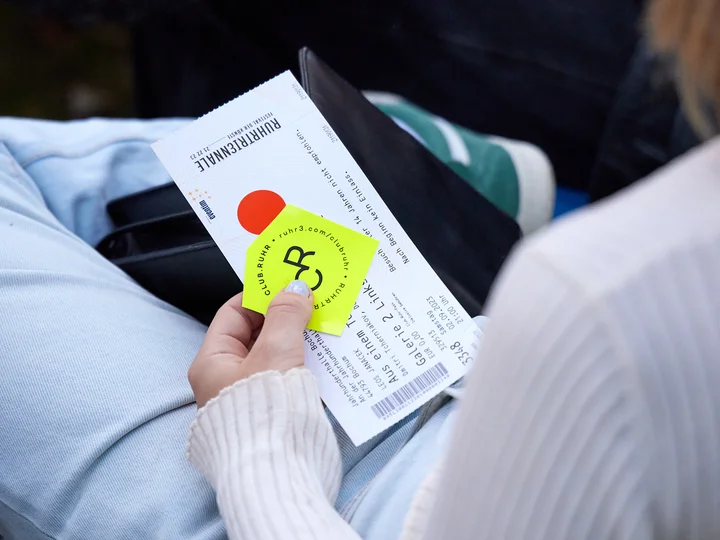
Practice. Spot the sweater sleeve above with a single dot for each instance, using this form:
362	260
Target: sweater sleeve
267	447
548	431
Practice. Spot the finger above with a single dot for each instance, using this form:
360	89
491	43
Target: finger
235	321
281	338
290	310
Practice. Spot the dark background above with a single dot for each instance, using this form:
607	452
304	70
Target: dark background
542	71
55	70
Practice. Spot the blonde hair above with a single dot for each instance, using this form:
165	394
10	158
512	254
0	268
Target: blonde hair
687	31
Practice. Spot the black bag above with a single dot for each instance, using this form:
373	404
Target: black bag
162	244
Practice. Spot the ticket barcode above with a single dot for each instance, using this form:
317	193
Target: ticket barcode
418	386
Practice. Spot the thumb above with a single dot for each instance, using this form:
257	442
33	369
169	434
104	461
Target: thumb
291	309
280	345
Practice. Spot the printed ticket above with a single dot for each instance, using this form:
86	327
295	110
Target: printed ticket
264	165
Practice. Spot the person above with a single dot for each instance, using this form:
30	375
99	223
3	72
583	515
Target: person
582	392
592	410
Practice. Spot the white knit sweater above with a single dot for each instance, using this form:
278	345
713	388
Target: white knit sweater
592	412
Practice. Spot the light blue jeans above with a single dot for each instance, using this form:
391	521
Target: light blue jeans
94	400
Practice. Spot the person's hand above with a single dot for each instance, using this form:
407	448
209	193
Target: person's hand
240	342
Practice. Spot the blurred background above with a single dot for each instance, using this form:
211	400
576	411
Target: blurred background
544	72
57	70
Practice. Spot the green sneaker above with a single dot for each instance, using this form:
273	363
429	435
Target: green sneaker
515	176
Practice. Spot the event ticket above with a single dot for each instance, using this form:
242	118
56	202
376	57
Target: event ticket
283	199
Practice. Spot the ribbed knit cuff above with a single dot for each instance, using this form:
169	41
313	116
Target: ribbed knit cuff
268	449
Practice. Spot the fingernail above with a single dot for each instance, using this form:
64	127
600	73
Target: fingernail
298	287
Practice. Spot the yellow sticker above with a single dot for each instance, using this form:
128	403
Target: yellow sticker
333	260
